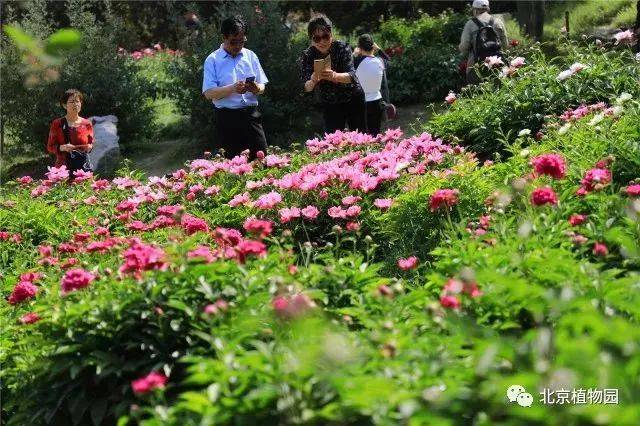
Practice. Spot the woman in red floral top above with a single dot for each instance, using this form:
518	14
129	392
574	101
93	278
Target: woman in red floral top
80	129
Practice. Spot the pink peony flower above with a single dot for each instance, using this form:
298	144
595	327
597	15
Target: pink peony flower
552	165
250	247
408	263
288	213
57	174
81	175
240	199
600	249
75	279
170	211
24	180
446	198
349	200
149	382
353	211
624	37
22	291
517	62
596	178
310	212
202	253
383	203
450	98
268	201
353	226
577	67
577	219
216	308
337	212
287	307
30	318
261	228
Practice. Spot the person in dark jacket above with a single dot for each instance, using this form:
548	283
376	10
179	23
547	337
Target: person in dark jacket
337	89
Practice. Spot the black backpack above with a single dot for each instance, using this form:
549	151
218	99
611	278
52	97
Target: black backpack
487	42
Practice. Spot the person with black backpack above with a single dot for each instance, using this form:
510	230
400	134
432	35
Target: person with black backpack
483	36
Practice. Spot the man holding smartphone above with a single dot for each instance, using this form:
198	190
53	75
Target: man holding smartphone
233	79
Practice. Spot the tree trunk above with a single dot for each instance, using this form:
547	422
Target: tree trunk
530	16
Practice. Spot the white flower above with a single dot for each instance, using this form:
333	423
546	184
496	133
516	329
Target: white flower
524	132
517	62
564	129
623	98
564	75
616	111
596	119
637	56
492	61
525	153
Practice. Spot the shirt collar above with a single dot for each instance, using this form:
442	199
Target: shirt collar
225	54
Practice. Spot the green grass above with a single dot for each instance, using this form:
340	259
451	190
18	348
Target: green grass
585	16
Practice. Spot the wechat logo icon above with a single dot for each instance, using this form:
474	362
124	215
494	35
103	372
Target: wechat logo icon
517	393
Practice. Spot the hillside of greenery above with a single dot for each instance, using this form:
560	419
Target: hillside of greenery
353	280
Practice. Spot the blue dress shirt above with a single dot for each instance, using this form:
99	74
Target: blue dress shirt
222	69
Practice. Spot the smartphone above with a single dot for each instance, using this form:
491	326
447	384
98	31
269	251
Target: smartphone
250	80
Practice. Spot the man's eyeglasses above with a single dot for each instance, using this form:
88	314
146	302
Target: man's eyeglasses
319	38
238	42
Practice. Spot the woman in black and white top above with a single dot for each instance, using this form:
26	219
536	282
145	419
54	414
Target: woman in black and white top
370	72
338	89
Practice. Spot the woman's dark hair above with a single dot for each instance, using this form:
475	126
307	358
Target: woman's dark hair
69	94
365	42
318	22
233	25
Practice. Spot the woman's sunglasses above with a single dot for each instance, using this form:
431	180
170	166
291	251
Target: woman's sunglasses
319	38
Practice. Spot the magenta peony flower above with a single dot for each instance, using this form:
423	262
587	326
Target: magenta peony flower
552	165
24	180
192	224
22	291
632	190
596	178
149	382
451	302
202	253
542	196
446	198
250	247
292	306
141	257
75	279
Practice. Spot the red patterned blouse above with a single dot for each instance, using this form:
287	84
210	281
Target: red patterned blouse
81	134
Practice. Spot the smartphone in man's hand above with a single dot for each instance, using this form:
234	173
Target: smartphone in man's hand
250	80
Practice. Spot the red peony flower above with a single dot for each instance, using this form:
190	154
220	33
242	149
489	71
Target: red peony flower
577	219
250	247
446	198
600	249
542	196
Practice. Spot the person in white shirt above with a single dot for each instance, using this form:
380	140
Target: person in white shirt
370	71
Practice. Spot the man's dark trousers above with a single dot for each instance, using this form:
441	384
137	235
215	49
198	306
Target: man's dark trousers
240	129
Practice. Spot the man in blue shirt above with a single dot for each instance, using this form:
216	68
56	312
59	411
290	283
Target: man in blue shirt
233	79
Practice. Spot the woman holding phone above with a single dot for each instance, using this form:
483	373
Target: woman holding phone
337	89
